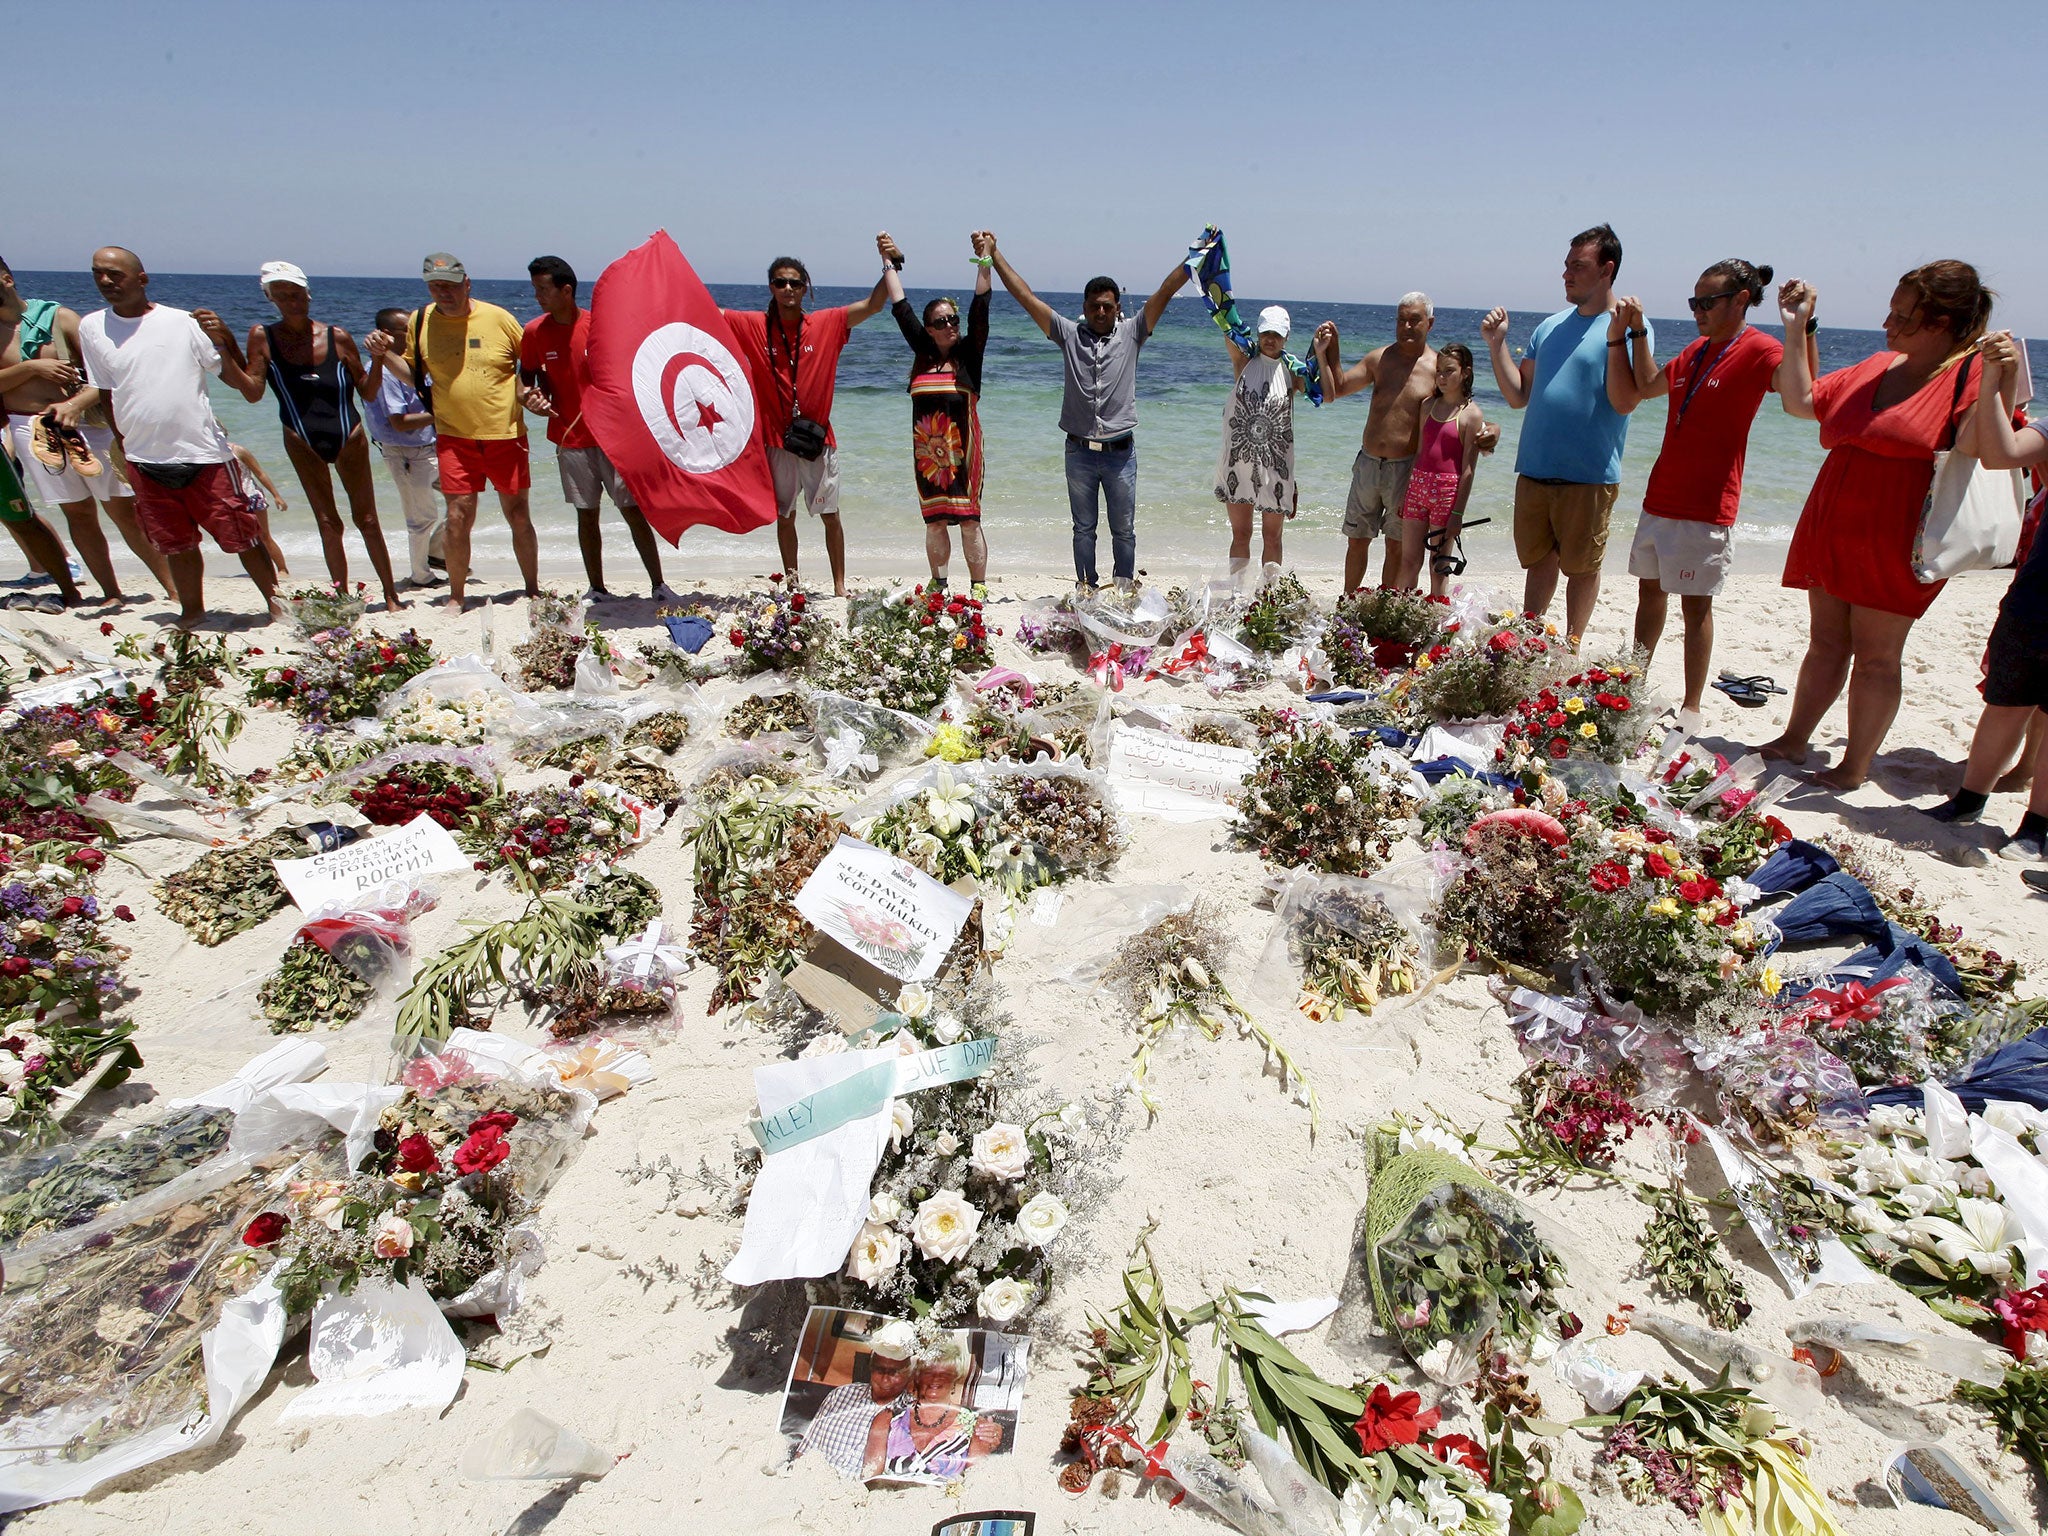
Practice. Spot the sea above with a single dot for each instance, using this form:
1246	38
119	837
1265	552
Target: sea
1183	382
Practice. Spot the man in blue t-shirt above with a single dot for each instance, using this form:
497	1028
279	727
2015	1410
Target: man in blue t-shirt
1568	468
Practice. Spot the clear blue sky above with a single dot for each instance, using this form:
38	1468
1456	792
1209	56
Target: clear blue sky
1350	151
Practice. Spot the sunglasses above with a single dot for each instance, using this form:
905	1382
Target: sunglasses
785	282
950	320
1701	306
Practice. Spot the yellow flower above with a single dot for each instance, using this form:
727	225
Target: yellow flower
1574	705
1423	663
1665	907
1589	730
1770	982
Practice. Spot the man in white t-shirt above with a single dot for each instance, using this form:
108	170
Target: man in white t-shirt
149	362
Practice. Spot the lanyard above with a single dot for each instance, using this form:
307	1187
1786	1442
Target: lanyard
1706	367
790	349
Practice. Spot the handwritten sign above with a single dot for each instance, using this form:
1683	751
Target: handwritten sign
885	910
350	874
1154	774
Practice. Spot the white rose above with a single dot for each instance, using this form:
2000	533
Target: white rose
883	1210
876	1252
1868	1216
914	1001
1041	1218
900	1122
11	1070
1002	1300
1073	1119
831	1043
945	1143
944	1226
1344	794
948	1029
1001	1152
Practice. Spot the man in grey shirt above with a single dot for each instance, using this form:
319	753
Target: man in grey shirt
1100	411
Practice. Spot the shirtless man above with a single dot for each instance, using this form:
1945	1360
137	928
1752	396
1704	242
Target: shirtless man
29	387
1402	377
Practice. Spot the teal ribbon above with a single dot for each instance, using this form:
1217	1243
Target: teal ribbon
1208	264
869	1092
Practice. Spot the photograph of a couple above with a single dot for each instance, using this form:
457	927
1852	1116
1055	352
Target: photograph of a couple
884	1402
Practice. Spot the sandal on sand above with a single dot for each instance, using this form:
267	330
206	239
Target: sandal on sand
2037	879
1749	692
49	603
46	442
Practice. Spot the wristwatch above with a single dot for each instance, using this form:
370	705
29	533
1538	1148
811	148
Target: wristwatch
1812	324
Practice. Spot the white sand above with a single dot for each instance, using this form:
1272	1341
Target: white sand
642	1362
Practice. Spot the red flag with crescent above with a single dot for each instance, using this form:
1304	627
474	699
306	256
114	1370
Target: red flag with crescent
669	400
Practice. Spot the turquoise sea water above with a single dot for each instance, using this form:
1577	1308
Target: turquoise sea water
1184	378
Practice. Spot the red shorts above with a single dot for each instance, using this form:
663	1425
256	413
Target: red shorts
213	500
468	464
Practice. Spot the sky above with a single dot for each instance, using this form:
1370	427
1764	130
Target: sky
1351	152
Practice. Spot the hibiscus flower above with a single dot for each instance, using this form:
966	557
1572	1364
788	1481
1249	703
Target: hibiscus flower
1390	1420
1467	1452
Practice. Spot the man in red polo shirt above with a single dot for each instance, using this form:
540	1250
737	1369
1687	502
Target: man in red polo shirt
554	359
793	360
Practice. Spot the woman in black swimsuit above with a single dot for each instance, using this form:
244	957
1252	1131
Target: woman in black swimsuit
316	372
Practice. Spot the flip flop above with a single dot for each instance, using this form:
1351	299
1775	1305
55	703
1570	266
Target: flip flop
2037	879
1749	692
19	602
46	441
48	603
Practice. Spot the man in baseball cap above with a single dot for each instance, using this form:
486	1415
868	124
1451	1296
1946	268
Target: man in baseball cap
839	1429
464	354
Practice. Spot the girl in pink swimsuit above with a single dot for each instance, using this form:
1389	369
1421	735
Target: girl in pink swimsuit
1441	482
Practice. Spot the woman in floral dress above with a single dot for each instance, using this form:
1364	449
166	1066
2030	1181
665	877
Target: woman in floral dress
945	428
1256	471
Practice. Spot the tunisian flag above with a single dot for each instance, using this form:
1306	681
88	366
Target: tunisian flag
669	400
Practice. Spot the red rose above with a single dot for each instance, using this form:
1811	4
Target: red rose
265	1230
1698	891
385	653
1466	1451
1657	864
1554	719
482	1152
288	674
557	826
737	638
73	905
15	965
416	1154
775	578
500	1120
106	628
1608	876
797	601
1559	746
1391	1420
1656	834
124	914
87	858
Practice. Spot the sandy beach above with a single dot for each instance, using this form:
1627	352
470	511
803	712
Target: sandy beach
630	1338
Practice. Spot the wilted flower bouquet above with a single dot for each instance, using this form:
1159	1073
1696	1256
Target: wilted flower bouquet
546	835
226	891
756	841
1327	799
1350	950
316	609
1023	826
547	658
1279	614
1456	1267
52	954
1510	907
776	632
342	676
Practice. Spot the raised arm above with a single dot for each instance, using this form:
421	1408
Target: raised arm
984	274
1514	378
892	280
1796	368
1155	307
875	302
1339	381
257	369
1998	445
233	372
1032	305
1628	355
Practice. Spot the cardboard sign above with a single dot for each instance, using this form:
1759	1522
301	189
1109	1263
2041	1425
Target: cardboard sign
885	910
1154	774
361	869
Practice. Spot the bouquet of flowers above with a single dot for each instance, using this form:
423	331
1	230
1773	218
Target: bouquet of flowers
315	610
463	722
761	713
227	891
1485	677
1591	712
1045	826
1509	907
1456	1267
938	828
1399	618
343	676
664	731
1347	947
51	951
1657	928
756	844
453	794
776	632
1324	798
547	834
68	1186
41	1059
1278	615
335	965
453	1172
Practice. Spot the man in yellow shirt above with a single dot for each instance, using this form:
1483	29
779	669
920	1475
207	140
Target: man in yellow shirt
463	356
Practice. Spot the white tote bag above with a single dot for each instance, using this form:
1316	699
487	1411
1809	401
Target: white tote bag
1971	518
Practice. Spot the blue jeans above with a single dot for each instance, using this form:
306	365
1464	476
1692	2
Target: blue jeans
1115	473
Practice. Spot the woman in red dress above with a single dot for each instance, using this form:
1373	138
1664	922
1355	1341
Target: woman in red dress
1882	421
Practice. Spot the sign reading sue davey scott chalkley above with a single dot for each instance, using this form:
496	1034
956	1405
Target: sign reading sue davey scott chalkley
884	909
360	869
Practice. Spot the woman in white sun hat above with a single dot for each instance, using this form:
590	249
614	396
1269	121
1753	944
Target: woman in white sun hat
1256	469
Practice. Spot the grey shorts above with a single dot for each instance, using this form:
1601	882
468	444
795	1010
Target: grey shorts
585	472
817	478
1378	488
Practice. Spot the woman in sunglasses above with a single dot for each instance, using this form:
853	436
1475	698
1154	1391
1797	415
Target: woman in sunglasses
1684	537
945	427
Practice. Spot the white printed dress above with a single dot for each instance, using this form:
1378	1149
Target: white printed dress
1257	464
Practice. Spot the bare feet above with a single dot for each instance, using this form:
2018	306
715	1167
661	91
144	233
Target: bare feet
453	604
1839	779
393	602
1779	750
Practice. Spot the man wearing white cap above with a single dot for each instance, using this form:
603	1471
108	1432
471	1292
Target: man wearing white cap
839	1429
316	371
71	463
1256	471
